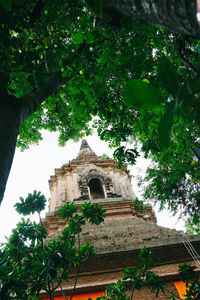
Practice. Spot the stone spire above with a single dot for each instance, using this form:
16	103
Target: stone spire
85	151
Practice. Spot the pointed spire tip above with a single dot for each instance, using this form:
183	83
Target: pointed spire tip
85	150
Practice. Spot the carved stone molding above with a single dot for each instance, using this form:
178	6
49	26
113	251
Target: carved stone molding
90	172
93	171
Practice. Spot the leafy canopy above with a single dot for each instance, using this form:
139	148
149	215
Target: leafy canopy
140	82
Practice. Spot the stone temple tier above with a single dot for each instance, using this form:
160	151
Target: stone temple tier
127	227
89	177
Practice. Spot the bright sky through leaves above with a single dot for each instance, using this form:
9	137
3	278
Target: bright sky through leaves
32	169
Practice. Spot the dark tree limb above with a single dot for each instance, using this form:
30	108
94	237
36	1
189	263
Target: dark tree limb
62	292
31	101
9	127
13	112
174	15
132	292
36	11
77	271
183	56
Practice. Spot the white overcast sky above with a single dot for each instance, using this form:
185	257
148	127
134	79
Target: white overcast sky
32	168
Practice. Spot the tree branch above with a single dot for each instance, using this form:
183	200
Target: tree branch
36	11
28	72
173	294
62	292
9	128
132	291
31	101
184	59
59	281
78	268
174	15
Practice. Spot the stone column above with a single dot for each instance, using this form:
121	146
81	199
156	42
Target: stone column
68	190
59	192
75	184
118	183
53	198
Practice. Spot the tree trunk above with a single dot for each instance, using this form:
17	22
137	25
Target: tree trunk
9	128
175	15
51	297
13	112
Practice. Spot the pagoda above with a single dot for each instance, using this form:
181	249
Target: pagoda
127	227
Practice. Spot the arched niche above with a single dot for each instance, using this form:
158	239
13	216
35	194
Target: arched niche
85	178
96	188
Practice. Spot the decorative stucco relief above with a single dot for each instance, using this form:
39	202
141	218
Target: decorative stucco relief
93	171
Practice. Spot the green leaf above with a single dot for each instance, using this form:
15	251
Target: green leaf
6	4
19	2
141	94
167	74
190	88
64	73
67	211
164	128
101	61
33	203
78	38
89	37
